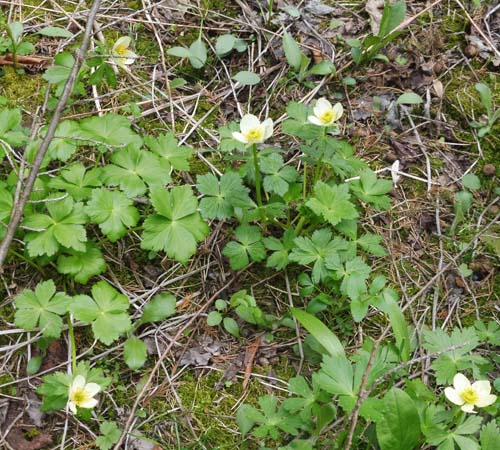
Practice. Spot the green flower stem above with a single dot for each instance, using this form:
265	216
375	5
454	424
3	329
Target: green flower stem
319	167
304	182
299	226
73	344
270	11
258	181
14	46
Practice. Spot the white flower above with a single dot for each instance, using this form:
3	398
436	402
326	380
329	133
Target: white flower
122	55
394	172
469	395
325	114
81	394
252	131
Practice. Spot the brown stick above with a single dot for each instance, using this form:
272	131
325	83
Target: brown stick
30	60
363	393
18	208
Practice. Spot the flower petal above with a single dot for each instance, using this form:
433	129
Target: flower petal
460	382
268	128
322	105
124	40
482	387
315	121
338	110
78	382
486	400
89	403
249	122
119	61
72	407
239	137
453	396
92	389
468	408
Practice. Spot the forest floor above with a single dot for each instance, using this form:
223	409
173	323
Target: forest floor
208	373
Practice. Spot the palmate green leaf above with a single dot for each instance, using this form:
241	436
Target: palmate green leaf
42	308
490	436
317	249
111	130
281	249
59	72
113	212
55	388
134	170
77	181
62	147
399	426
249	248
340	156
10	128
354	274
371	244
82	265
62	227
272	421
278	176
488	333
177	227
456	346
336	376
372	190
110	434
167	147
134	353
332	203
106	310
222	196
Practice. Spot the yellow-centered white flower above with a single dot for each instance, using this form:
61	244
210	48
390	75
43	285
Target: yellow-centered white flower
325	114
82	394
468	395
253	131
122	55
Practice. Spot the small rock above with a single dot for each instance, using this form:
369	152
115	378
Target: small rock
439	67
471	50
264	362
391	157
489	170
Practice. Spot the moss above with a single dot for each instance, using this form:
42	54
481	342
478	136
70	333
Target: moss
22	90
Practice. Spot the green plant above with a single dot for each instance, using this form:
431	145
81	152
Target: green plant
16	46
492	114
246	308
196	53
392	17
300	63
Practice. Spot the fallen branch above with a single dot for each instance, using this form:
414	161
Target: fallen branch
18	207
8	60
